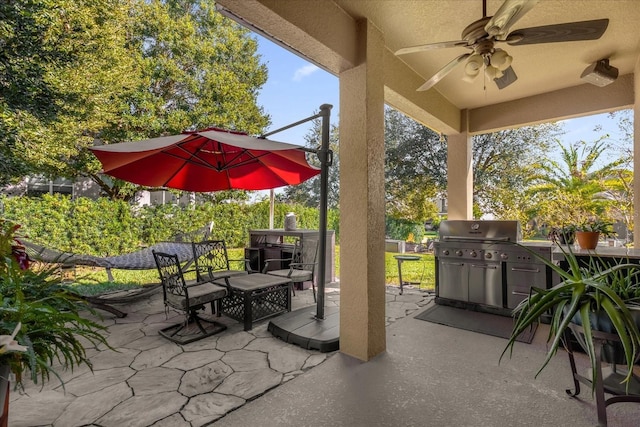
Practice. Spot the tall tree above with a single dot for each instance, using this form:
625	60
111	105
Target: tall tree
415	167
133	69
49	75
502	168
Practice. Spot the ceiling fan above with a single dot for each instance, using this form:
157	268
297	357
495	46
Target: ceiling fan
482	36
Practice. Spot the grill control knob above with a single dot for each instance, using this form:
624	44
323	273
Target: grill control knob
459	252
445	252
473	254
488	255
504	256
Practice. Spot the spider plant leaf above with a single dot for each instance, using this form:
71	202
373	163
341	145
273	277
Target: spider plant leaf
578	292
628	344
588	340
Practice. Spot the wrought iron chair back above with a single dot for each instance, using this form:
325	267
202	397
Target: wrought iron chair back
173	282
212	260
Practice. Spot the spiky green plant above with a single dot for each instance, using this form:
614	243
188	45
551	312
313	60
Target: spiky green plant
53	328
585	290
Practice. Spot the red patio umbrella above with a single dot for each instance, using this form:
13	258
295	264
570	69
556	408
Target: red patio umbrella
207	160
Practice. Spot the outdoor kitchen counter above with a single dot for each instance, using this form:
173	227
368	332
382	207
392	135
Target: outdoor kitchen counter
600	251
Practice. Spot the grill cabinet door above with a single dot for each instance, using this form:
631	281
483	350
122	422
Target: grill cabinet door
485	284
453	280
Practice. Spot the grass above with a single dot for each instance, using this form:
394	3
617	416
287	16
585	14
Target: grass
421	273
93	281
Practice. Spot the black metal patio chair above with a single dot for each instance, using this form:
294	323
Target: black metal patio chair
301	265
187	296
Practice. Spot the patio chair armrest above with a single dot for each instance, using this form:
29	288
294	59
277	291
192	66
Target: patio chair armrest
300	264
246	261
267	261
222	281
198	283
278	259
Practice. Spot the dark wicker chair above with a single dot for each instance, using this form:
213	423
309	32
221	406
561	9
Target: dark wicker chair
188	296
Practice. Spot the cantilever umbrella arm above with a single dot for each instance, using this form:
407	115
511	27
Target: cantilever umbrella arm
325	155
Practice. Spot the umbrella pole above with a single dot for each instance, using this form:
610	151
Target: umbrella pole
325	156
272	202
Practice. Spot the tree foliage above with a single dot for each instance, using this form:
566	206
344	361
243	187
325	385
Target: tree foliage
574	188
308	192
502	167
415	168
81	72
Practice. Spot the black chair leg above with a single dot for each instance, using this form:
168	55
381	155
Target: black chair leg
313	287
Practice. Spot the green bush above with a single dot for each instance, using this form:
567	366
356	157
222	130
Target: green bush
105	227
399	229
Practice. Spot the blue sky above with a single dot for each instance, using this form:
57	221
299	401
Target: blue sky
295	89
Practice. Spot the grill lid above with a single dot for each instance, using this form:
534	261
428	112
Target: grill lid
469	230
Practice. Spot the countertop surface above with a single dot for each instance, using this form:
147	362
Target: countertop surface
602	251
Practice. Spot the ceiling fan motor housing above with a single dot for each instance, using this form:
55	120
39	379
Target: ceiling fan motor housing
475	31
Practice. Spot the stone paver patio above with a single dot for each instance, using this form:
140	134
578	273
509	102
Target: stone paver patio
152	381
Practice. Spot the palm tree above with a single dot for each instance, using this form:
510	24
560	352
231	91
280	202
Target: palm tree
569	189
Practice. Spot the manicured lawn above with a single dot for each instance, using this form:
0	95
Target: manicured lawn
416	272
92	281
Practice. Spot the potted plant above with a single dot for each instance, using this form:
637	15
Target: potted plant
41	317
588	232
590	294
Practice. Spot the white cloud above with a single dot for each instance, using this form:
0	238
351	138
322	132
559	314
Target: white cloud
304	72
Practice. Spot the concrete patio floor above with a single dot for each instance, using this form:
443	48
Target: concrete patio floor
430	375
152	381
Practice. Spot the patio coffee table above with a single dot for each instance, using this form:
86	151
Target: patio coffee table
254	297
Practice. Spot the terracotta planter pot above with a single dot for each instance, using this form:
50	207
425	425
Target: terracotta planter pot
587	239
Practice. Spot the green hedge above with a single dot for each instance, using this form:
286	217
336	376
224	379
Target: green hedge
400	229
106	227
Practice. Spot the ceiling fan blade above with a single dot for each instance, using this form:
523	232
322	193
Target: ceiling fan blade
510	12
568	32
443	72
508	77
431	46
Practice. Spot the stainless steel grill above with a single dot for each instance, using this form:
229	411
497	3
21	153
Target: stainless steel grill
478	264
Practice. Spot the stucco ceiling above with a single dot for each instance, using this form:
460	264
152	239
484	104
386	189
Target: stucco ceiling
331	34
540	68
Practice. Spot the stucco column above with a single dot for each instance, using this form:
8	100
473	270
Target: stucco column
460	175
636	156
362	287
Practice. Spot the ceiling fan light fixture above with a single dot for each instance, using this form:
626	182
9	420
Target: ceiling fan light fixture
600	73
474	64
492	72
470	77
472	67
501	60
